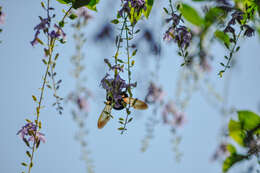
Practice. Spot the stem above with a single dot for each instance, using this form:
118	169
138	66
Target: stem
119	40
66	14
232	51
129	78
51	44
172	11
38	111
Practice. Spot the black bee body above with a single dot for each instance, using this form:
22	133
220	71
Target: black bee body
120	103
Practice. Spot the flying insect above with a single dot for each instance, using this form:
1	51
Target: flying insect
106	113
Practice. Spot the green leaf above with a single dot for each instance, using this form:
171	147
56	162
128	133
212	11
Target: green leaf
133	63
191	15
134	52
80	3
120	60
149	5
43	5
134	15
212	15
31	165
92	5
28	121
231	160
231	149
165	10
24	164
64	1
44	61
34	98
248	120
73	16
222	37
28	154
236	132
130	120
121	128
115	21
56	56
258	6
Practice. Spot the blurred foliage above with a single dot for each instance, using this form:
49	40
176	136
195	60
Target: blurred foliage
245	132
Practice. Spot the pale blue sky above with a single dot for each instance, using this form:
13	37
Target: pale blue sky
21	69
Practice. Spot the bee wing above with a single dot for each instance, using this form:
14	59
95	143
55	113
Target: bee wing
135	103
104	117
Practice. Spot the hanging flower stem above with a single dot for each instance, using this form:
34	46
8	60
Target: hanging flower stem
234	49
51	44
129	77
119	40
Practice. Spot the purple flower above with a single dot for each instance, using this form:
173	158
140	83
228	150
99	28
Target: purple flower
180	35
221	151
59	32
229	29
115	88
138	5
183	36
176	19
42	26
29	130
83	13
177	119
155	94
82	104
238	16
125	9
249	31
169	34
2	17
38	137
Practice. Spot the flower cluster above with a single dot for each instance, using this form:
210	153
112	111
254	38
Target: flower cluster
138	5
2	16
220	152
178	33
2	19
45	23
83	13
80	100
116	88
42	26
178	117
29	133
57	33
241	18
154	94
81	95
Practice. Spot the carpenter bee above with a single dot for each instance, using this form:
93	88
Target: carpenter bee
121	104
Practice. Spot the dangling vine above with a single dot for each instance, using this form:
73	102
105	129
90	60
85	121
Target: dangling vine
81	96
2	19
30	132
119	92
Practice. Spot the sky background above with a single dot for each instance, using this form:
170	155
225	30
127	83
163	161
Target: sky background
21	70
